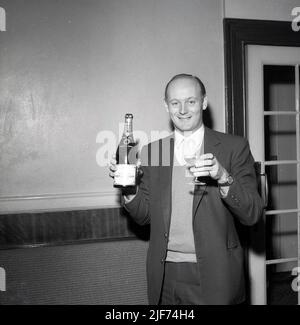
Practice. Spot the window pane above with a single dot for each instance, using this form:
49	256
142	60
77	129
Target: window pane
281	237
282	182
279	88
280	137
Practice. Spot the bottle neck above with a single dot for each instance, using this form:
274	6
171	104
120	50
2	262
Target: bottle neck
128	126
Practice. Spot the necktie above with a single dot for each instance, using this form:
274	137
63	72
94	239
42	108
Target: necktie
189	147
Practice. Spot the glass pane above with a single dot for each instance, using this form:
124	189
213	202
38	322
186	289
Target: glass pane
280	137
279	88
282	183
280	284
281	237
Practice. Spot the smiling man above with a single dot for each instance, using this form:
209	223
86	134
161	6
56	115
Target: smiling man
185	99
194	254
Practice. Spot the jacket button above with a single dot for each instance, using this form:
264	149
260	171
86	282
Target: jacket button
166	235
162	261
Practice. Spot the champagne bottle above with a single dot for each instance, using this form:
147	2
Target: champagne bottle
125	174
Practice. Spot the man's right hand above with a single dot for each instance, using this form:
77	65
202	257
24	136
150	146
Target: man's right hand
112	166
128	193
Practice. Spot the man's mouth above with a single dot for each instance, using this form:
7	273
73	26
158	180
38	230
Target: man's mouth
184	117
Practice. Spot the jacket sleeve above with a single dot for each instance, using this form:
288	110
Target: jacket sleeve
243	199
138	207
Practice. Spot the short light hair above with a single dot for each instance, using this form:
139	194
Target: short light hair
182	76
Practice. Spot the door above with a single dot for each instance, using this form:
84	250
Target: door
273	130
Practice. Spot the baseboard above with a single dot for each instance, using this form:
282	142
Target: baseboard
59	202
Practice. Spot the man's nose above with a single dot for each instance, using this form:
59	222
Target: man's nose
183	108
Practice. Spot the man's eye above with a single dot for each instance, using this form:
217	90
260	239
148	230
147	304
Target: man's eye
174	103
192	102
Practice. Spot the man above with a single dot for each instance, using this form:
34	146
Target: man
194	254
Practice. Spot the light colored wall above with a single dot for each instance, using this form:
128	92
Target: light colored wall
72	68
260	9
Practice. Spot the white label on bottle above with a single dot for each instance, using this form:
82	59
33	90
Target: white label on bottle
125	175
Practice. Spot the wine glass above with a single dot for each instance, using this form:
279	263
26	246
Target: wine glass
190	159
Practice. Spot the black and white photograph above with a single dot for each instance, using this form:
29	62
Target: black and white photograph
150	155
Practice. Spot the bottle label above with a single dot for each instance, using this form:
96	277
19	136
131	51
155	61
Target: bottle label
125	175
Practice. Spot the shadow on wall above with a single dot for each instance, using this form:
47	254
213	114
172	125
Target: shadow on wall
207	118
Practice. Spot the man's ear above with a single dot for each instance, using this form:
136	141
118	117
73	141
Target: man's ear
166	106
205	103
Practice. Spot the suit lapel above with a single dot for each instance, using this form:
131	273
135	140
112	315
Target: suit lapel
211	145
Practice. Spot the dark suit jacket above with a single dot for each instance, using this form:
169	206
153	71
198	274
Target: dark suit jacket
218	250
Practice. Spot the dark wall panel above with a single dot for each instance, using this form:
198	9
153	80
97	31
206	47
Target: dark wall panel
66	227
110	273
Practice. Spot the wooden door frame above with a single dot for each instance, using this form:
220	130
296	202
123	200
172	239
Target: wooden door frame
237	34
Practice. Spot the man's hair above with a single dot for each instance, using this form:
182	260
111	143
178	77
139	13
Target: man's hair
182	76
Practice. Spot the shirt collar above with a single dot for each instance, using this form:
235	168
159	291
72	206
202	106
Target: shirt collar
196	136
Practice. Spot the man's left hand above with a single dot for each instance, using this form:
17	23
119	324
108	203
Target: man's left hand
208	165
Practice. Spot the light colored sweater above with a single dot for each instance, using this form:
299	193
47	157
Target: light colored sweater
181	245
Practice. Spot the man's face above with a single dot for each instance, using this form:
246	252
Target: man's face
185	104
